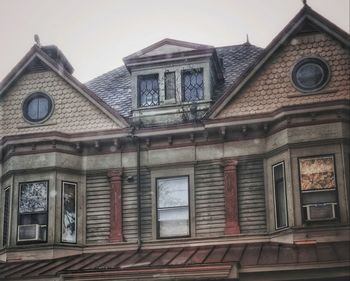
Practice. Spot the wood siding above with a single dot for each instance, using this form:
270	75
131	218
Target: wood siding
251	196
209	199
129	199
98	204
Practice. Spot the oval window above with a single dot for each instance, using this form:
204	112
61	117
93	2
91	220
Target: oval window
310	74
37	107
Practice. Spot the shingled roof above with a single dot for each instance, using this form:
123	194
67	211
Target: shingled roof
114	87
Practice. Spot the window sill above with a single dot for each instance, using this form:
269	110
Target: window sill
320	92
37	125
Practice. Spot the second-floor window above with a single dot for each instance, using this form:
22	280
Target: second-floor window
192	85
6	217
172	207
318	188
148	90
33	211
281	216
69	212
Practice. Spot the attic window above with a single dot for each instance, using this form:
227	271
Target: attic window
37	107
192	85
310	74
148	89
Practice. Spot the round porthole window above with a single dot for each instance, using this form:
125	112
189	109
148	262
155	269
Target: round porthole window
310	74
37	107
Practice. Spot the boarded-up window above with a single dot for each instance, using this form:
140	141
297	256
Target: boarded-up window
318	188
170	85
69	230
281	216
173	207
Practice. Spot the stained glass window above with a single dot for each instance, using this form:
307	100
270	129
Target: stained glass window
148	90
192	85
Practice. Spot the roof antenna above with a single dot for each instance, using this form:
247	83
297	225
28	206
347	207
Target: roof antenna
37	40
247	42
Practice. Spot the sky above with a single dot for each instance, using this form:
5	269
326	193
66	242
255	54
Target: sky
96	34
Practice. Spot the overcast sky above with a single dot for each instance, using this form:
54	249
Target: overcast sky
96	34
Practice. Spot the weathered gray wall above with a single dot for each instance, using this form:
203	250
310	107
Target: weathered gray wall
98	206
251	196
209	201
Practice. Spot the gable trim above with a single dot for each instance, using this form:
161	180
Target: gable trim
306	13
168	41
36	52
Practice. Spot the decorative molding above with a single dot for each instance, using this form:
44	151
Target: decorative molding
231	198
116	231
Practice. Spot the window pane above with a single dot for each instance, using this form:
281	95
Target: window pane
6	217
33	109
192	85
43	108
170	85
33	197
148	90
172	192
173	222
69	213
280	196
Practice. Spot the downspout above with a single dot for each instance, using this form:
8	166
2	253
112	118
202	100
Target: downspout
138	190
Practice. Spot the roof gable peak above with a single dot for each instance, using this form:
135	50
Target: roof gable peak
167	46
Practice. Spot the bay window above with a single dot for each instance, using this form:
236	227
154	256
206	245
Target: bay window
33	211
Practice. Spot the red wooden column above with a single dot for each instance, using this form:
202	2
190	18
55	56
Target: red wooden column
115	179
231	198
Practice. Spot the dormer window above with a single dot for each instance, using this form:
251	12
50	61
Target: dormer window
192	85
148	89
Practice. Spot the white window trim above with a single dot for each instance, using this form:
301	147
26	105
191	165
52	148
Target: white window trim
173	172
274	194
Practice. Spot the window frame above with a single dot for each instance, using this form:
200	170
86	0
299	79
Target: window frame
183	72
315	191
76	210
305	60
144	77
188	206
285	195
5	242
47	213
26	102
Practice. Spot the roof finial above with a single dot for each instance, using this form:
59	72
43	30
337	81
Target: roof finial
37	40
247	42
304	2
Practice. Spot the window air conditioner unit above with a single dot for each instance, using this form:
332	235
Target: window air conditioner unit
320	212
30	232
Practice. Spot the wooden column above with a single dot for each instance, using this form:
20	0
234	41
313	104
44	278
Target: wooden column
115	179
231	198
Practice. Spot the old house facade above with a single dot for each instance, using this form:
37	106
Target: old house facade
189	162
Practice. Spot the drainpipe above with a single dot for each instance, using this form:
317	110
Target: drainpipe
138	190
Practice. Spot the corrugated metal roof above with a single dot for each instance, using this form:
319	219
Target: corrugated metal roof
184	258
